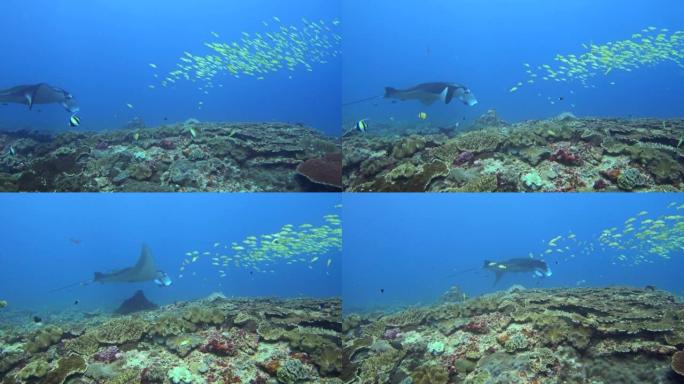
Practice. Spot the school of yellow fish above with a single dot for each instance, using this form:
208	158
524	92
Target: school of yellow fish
650	47
642	238
259	54
307	244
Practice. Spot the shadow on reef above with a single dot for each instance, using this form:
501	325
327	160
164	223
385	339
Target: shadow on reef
542	336
216	340
192	156
560	154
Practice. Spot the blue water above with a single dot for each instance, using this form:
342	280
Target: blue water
38	252
483	45
100	51
416	246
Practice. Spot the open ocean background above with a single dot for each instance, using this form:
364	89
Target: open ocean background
100	51
416	246
38	253
484	44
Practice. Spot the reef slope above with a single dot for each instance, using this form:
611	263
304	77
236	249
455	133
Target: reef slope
193	156
560	154
215	340
542	336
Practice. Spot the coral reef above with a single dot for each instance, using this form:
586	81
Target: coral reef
216	340
560	154
538	336
216	157
325	173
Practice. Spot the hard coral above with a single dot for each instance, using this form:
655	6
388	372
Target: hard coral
44	338
430	374
167	144
463	158
325	171
108	354
221	344
66	367
121	330
566	157
678	362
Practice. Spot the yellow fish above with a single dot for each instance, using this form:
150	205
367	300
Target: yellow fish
422	115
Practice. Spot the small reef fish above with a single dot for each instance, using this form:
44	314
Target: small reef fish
74	121
129	105
362	125
422	115
153	66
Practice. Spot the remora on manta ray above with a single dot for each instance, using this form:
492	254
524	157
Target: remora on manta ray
144	270
41	93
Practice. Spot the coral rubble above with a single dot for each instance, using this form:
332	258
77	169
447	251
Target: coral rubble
580	335
219	341
560	154
192	156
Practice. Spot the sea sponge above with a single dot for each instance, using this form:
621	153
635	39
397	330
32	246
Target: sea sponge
44	338
119	331
430	374
67	366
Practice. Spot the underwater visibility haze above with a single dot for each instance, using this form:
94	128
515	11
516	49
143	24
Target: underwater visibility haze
57	240
170	96
581	89
513	288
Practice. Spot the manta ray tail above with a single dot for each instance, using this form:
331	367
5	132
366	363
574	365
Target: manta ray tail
80	283
390	92
360	100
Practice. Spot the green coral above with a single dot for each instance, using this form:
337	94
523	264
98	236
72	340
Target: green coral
44	338
532	181
407	147
293	371
182	375
435	347
66	367
34	370
516	342
430	374
200	315
171	325
120	331
3	303
85	344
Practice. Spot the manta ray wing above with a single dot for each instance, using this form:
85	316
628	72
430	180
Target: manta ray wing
20	94
144	270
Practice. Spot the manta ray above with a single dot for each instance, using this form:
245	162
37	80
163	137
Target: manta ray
539	268
41	93
144	270
428	93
